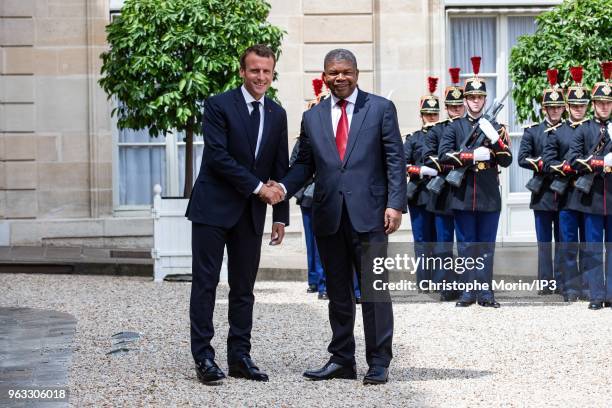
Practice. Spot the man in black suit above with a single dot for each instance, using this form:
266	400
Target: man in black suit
351	143
245	145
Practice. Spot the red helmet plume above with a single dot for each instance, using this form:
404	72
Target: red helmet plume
607	70
317	86
576	73
476	64
454	74
432	83
552	76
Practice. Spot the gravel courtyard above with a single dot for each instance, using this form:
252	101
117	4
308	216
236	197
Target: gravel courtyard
518	355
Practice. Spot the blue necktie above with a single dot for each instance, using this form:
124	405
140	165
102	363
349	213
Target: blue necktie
255	118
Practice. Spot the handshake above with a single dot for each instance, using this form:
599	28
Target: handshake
271	193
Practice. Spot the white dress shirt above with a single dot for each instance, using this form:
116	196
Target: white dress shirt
248	100
336	111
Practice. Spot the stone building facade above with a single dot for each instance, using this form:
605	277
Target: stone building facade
60	152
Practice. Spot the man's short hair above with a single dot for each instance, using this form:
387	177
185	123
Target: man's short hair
260	50
340	54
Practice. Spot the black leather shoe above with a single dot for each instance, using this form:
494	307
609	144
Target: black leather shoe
464	303
489	303
595	305
312	289
208	372
607	304
448	296
332	370
376	375
246	368
545	292
323	296
570	298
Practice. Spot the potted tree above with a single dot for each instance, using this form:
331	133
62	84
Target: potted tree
165	59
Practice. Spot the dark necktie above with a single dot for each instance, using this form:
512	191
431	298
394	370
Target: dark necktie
255	118
342	130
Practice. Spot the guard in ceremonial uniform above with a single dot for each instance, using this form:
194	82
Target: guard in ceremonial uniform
439	203
422	220
591	155
476	203
544	201
571	223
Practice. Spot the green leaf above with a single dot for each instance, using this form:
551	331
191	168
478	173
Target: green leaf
576	32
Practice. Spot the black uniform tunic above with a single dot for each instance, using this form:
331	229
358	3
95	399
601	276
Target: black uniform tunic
479	189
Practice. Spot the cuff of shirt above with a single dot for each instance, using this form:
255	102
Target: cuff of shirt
283	187
259	186
278	222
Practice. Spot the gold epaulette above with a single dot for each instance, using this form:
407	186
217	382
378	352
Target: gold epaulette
529	125
576	124
553	127
447	120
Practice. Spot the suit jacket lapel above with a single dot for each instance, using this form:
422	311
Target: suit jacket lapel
265	135
243	112
359	113
326	123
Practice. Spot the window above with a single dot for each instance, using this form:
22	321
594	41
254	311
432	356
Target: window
492	36
143	161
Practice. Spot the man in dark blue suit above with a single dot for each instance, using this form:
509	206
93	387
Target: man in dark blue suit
245	145
352	145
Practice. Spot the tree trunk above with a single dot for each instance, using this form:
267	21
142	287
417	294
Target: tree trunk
189	158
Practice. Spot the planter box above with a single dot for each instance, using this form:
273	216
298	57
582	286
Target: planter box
172	237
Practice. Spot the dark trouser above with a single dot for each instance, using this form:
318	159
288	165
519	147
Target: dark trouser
316	274
243	251
547	227
598	274
476	232
424	233
341	254
443	249
571	225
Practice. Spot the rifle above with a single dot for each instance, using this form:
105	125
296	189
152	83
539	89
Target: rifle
585	182
455	176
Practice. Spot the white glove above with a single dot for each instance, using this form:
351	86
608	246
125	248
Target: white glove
482	154
608	159
610	129
488	129
428	171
